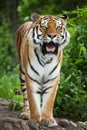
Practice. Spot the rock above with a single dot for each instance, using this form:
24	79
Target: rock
11	120
82	124
73	124
63	122
24	125
4	102
7	126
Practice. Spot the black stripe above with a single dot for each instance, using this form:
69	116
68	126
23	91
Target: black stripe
17	91
49	80
65	39
38	58
63	42
37	32
66	34
62	36
22	84
22	71
40	25
38	92
34	79
38	35
44	91
22	80
33	67
45	18
34	41
25	99
23	89
53	69
49	61
33	33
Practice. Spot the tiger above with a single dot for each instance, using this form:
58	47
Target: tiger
40	43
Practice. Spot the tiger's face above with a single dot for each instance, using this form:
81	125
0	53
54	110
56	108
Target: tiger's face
48	33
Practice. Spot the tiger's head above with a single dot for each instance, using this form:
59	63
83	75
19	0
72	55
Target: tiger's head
48	33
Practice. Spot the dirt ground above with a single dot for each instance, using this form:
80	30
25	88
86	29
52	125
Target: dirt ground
11	120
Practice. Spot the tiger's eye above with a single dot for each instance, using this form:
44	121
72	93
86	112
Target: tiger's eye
59	27
44	27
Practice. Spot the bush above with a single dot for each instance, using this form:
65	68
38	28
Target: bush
8	82
7	47
71	98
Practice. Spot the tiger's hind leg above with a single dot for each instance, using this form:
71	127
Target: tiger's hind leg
26	112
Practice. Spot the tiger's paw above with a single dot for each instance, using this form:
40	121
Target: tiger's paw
25	115
33	124
49	123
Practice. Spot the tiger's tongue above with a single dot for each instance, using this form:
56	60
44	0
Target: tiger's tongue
50	48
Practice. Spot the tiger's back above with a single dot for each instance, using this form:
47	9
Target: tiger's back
21	33
40	44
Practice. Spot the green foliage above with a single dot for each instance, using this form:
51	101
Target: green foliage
8	82
7	47
27	7
71	98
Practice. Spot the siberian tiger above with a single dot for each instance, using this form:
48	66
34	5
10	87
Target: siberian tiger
40	46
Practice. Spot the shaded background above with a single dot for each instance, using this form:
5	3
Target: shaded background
71	99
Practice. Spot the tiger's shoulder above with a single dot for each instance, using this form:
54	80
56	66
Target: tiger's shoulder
24	28
21	34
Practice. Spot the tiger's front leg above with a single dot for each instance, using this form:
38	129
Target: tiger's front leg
47	106
34	100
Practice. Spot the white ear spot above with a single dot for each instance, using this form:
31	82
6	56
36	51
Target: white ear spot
64	16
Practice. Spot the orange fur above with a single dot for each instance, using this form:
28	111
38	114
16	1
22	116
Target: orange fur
33	108
27	57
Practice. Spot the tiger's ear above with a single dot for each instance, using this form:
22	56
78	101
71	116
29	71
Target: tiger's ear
34	16
64	16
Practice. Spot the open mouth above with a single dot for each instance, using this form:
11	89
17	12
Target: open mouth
50	48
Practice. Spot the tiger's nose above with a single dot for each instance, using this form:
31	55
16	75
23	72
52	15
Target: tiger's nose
52	35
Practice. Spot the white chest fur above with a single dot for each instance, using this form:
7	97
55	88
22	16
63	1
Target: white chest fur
43	70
